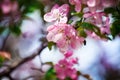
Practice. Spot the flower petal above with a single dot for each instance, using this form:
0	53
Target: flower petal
91	3
49	17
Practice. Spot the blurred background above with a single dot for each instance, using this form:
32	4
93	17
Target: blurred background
99	59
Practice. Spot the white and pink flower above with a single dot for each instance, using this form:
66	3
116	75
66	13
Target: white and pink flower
65	68
65	36
57	14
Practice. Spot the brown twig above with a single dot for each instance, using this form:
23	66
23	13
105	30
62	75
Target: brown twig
8	72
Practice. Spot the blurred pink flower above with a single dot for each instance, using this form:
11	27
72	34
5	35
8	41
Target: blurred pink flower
96	16
57	14
65	69
65	36
101	20
105	29
100	4
77	4
8	6
68	54
92	3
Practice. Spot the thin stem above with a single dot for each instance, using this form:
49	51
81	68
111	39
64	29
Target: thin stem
5	40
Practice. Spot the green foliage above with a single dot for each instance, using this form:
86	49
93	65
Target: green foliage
110	10
15	29
115	28
68	78
81	32
82	27
50	44
1	60
2	29
115	11
49	63
90	27
77	14
50	74
70	21
31	5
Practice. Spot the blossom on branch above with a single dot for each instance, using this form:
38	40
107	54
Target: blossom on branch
77	4
65	36
57	14
65	68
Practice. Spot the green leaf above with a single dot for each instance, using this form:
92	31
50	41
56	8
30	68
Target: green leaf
15	29
50	74
70	21
81	32
30	6
1	60
50	44
2	30
49	63
93	28
110	10
77	14
68	78
115	11
115	28
90	26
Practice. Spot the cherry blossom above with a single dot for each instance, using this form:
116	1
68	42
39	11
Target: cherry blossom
65	68
101	20
77	4
57	14
96	16
65	36
8	6
100	4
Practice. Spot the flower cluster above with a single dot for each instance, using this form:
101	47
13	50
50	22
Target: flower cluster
92	22
61	33
66	39
65	67
65	36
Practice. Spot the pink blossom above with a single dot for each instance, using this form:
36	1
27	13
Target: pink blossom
99	19
7	6
68	54
106	27
65	69
65	36
96	16
57	14
100	4
77	4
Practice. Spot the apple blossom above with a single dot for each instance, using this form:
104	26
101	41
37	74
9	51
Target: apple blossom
65	68
57	14
77	4
65	36
8	6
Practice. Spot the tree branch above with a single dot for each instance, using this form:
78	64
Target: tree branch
7	73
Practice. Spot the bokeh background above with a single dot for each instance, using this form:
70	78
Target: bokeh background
99	59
